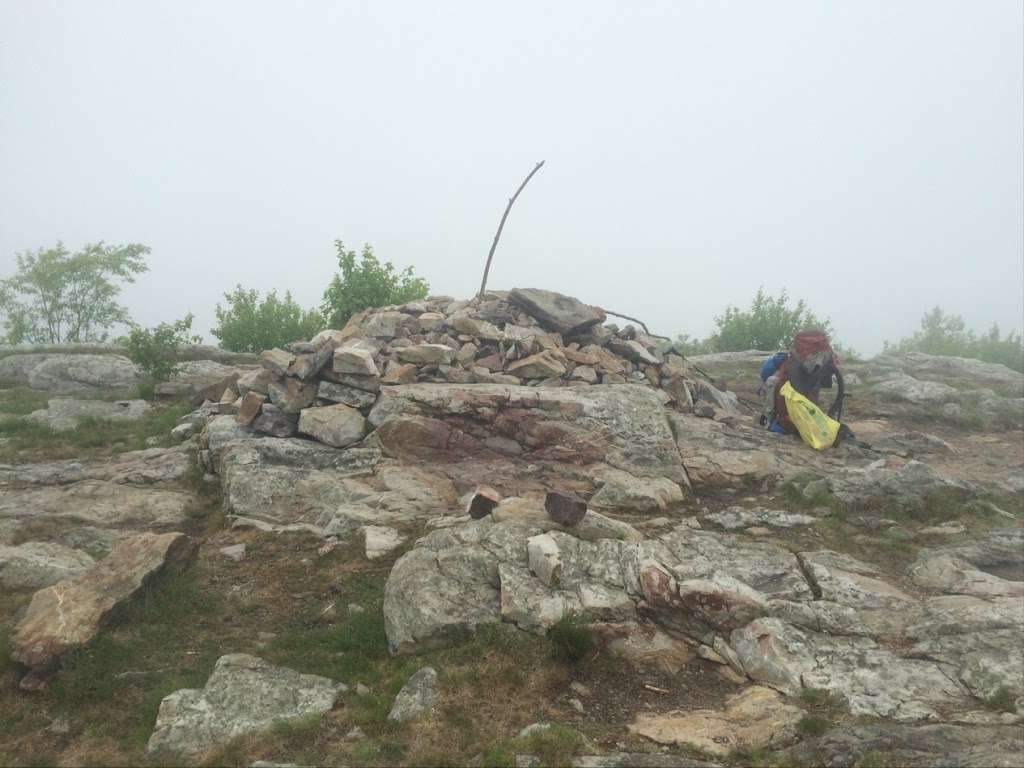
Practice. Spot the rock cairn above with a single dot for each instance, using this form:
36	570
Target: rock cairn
324	387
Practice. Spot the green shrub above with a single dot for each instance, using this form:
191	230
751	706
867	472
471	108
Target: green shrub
769	324
553	746
155	350
1002	700
252	324
571	639
367	283
813	725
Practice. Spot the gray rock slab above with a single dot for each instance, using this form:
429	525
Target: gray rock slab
38	564
69	374
913	746
619	425
243	695
64	414
416	697
735	518
556	311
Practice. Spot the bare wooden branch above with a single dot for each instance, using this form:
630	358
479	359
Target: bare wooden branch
634	320
501	225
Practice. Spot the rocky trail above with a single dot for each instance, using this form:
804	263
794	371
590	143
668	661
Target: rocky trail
505	532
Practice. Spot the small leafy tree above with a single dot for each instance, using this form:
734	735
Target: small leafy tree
252	324
156	350
367	283
770	323
56	296
943	333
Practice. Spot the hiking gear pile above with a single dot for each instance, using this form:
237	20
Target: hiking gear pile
791	390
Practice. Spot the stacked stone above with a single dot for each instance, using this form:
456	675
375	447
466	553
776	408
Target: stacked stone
325	387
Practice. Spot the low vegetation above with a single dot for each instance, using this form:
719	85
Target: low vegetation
1002	700
571	639
156	350
365	283
249	323
769	324
23	440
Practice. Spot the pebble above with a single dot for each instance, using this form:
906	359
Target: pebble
235	552
579	688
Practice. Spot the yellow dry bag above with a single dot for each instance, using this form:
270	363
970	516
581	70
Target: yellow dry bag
814	426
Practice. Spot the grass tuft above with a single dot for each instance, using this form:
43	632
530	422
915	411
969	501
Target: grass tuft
813	725
1002	700
554	746
29	440
571	639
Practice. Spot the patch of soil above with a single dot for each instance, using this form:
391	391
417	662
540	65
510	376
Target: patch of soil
618	691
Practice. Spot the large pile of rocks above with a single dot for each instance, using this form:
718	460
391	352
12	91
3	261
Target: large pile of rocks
323	388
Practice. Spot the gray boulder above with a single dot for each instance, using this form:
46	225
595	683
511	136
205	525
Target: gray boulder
913	746
64	414
557	312
490	430
68	615
69	374
339	393
37	564
900	386
199	380
337	425
243	695
416	696
293	482
873	680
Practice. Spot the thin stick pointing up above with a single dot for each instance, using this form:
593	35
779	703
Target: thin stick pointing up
501	224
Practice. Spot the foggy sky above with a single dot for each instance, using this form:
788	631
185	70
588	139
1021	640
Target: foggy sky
868	155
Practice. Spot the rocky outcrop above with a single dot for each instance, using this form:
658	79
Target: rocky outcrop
37	564
460	577
914	746
495	425
69	614
871	679
88	501
63	414
901	386
918	363
80	374
67	374
243	695
293	482
755	719
991	566
199	380
153	467
817	619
